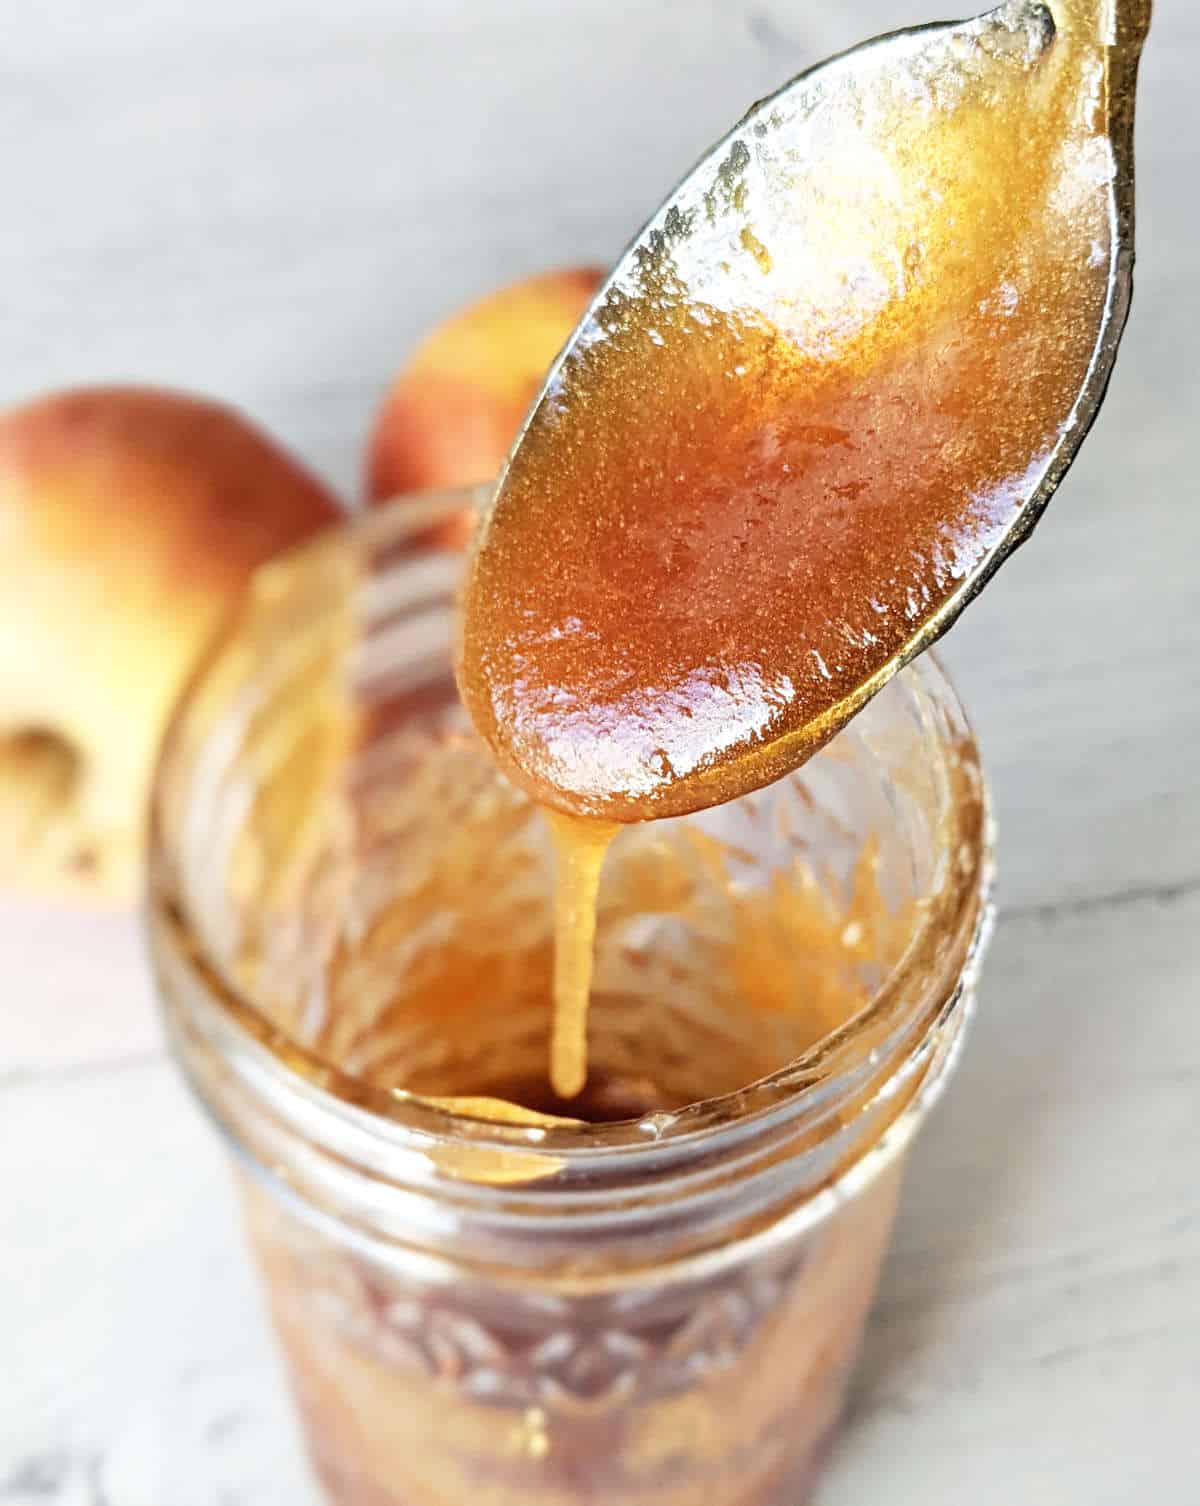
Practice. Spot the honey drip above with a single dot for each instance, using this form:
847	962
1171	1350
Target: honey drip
413	950
810	408
579	847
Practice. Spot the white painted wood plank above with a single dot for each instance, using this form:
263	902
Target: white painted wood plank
1037	1338
76	989
137	1371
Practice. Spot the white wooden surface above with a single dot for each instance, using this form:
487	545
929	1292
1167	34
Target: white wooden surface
248	197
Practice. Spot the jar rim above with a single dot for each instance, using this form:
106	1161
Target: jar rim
400	1118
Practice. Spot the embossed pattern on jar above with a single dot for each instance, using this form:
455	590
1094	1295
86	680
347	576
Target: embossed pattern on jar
663	1397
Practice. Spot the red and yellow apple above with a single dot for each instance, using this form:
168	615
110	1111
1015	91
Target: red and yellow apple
453	412
130	519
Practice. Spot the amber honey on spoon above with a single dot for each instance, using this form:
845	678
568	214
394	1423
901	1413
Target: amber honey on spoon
828	389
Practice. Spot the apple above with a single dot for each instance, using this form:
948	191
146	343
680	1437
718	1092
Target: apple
130	519
452	414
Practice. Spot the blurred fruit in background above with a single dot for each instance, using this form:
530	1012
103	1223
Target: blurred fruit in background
129	521
454	410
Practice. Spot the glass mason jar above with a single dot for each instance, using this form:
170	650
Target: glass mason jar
660	1308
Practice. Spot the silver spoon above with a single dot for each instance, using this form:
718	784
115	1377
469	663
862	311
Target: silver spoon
899	229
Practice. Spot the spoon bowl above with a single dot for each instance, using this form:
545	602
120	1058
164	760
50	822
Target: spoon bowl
825	393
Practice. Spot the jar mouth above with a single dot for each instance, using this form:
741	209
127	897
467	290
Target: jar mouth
922	986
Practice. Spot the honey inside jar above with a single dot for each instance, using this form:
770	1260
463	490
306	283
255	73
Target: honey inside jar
725	947
814	401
